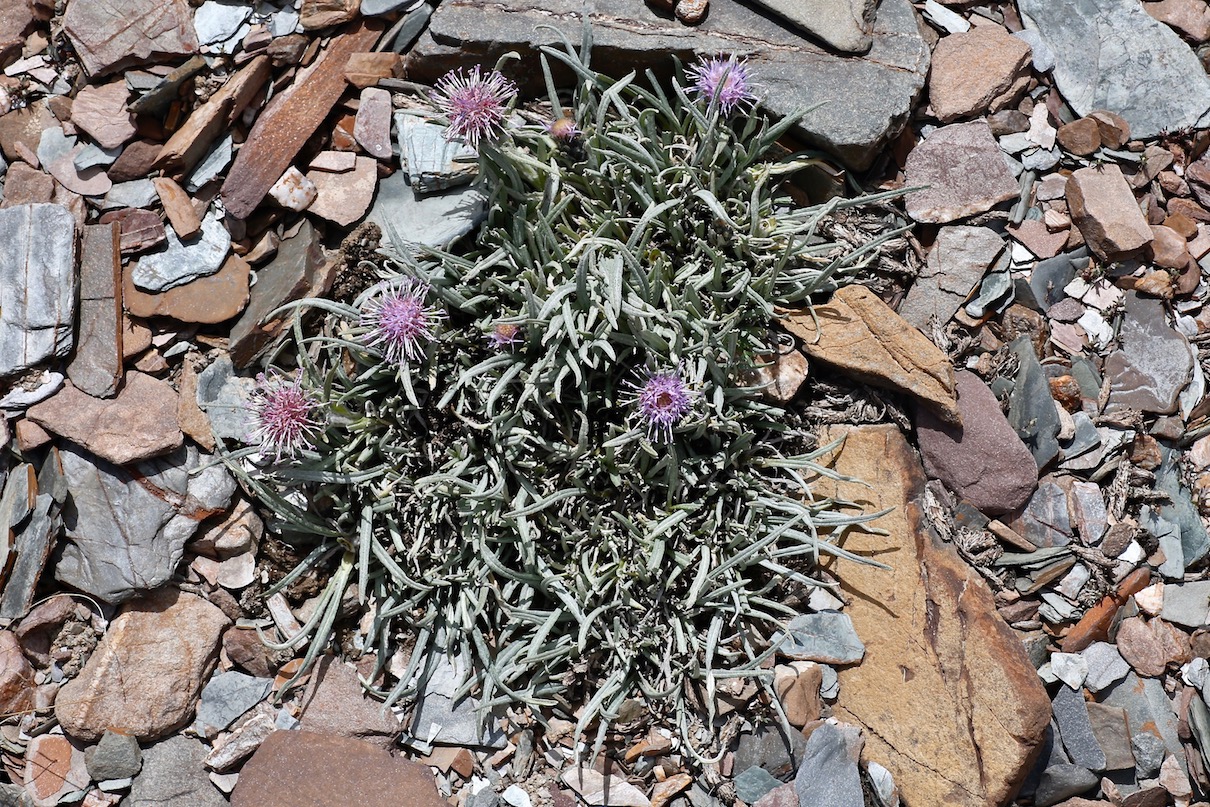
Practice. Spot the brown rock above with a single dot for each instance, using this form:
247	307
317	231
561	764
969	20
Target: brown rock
961	171
140	229
1081	137
1145	452
1115	131
946	695
365	774
135	161
973	72
1150	646
863	335
778	376
336	703
447	758
189	415
246	650
91	181
1183	225
1168	247
144	677
101	112
317	14
366	69
1094	625
797	685
344	198
1188	208
16	677
25	185
286	50
207	300
30	435
24	127
372	126
1103	207
670	787
178	208
139	423
691	12
1037	238
16	18
1189	17
114	34
53	768
96	366
283	128
1157	284
192	141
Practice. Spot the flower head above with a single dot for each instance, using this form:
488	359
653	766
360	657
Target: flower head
473	102
727	79
283	416
563	129
662	401
504	335
400	322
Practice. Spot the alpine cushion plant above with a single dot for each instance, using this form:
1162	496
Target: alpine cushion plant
568	484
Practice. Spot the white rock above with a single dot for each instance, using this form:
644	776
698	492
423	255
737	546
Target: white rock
515	796
1195	672
1070	668
294	191
1151	599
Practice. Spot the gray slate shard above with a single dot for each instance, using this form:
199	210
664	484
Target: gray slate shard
826	637
1111	54
1031	409
441	720
861	102
768	747
116	756
226	697
1071	715
1149	752
754	783
1180	509
829	776
1154	362
432	162
844	25
127	529
34	545
958	261
1049	277
136	193
1062	781
174	775
1105	665
37	284
435	220
224	397
179	263
1187	604
1148	708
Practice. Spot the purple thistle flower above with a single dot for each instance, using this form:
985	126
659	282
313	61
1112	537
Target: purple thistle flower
283	416
727	79
399	322
473	102
662	401
504	336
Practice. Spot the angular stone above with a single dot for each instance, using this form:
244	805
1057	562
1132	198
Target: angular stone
24	185
372	127
829	776
1151	646
367	69
137	424
598	790
433	162
753	784
1189	17
180	263
282	129
1187	604
207	300
959	259
36	541
1112	733
961	172
1154	361
225	698
336	703
1061	780
37	284
949	700
21	130
984	460
769	747
844	26
879	89
344	198
1044	521
96	367
144	676
135	161
101	112
974	72
366	774
174	775
826	637
15	21
232	748
1031	409
1110	54
1148	708
294	191
128	528
115	756
1071	715
221	24
436	220
1103	207
140	229
859	333
316	14
53	768
16	677
111	35
1081	137
178	208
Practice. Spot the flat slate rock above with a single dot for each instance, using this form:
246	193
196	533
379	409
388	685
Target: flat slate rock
182	262
829	776
110	35
336	703
1111	54
865	100
174	775
1154	362
96	365
1031	409
37	284
296	769
226	697
409	223
961	172
1071	715
947	696
127	528
959	259
827	637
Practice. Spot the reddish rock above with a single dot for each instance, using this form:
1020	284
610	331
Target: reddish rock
983	460
946	694
1168	248
101	112
96	366
247	651
962	172
336	703
1151	646
282	129
1038	239
1115	131
91	181
114	34
344	198
135	161
366	69
53	767
976	72
16	677
1080	137
24	127
178	208
1103	207
318	14
1189	209
1156	284
1183	225
1094	625
372	126
139	423
207	300
140	229
1190	17
365	774
26	185
145	675
16	18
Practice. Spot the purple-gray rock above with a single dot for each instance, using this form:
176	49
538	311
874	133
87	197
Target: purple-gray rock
1105	666
958	261
768	747
984	460
37	284
1071	715
828	776
1112	732
1044	521
1154	362
961	171
1062	781
174	775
